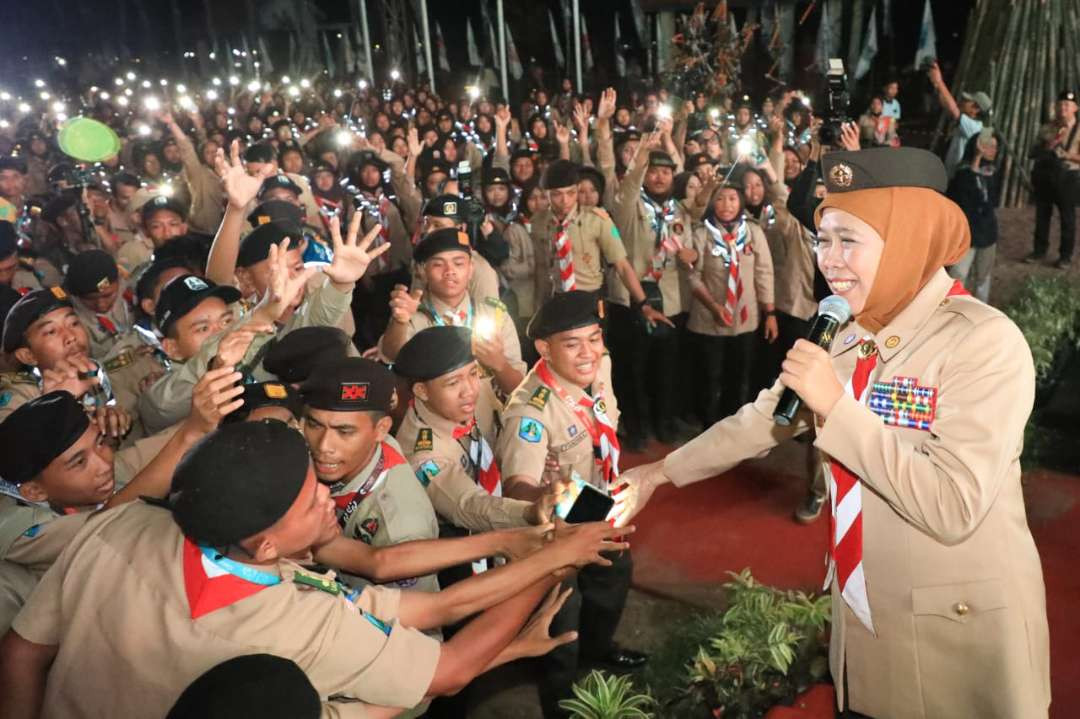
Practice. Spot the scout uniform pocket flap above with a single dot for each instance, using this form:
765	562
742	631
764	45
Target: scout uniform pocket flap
959	602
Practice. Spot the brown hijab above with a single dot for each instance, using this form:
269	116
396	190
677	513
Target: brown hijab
923	232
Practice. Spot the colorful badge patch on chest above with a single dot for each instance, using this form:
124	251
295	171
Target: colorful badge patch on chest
425	441
901	402
530	430
367	529
427	472
540	397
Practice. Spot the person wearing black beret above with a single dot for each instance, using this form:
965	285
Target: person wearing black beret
212	565
93	281
295	355
565	408
17	272
447	211
163	218
268	400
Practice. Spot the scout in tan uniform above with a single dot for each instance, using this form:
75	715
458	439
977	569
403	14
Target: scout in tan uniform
162	218
732	281
565	409
213	573
941	583
203	184
446	261
444	211
99	299
16	272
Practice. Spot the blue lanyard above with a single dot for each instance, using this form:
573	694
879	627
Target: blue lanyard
440	321
243	571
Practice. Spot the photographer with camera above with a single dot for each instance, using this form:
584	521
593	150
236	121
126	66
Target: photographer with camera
971	114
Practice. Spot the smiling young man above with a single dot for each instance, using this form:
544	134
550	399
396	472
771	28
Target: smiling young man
215	574
565	409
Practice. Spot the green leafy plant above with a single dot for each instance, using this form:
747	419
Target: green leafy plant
1047	310
607	696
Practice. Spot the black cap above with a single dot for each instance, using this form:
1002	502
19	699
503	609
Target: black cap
181	296
9	244
566	311
257	685
697	160
8	162
124	178
266	394
437	165
260	152
57	206
277	211
255	247
659	158
91	271
443	240
350	384
626	136
32	307
279	180
293	357
521	152
883	167
358	161
148	275
238	481
496	176
1067	95
433	352
744	101
449	206
38	432
561	173
8	298
160	203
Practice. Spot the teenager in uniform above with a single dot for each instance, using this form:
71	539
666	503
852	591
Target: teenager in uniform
163	218
212	572
933	570
565	409
98	296
16	272
442	212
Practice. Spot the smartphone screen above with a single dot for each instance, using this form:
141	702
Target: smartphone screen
581	502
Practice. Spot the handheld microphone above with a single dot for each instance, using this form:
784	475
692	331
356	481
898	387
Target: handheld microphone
833	311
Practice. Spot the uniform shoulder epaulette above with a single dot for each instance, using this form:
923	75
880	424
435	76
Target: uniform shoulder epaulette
18	377
494	302
121	360
425	440
540	397
323	584
601	212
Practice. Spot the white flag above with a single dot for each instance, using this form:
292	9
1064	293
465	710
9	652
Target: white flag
470	43
512	58
586	49
440	45
927	39
560	60
496	56
869	48
620	61
421	62
265	63
826	41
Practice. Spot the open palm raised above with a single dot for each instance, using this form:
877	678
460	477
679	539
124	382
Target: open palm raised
352	257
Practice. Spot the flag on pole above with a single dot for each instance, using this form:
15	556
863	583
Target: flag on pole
586	49
265	63
560	60
826	42
639	23
927	39
513	60
421	61
328	54
493	46
869	48
886	18
440	45
470	44
620	60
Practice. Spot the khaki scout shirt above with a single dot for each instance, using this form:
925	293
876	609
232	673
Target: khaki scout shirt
952	574
755	271
168	400
483	284
537	423
103	340
207	194
116	605
594	245
790	245
444	469
638	237
519	270
135	252
132	364
16	389
26	277
400	253
395	510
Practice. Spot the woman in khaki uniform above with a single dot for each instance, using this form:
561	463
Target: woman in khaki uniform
939	607
731	278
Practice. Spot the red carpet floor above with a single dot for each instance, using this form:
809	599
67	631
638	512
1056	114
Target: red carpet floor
688	539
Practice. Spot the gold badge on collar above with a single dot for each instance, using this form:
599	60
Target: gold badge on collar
841	175
892	342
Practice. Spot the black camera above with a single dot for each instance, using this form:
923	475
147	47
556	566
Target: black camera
472	213
837	103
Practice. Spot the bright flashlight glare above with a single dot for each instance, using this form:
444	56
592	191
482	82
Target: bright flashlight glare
745	146
484	328
285	80
234	80
130	75
294	91
5	96
305	83
474	91
39	83
24	107
166	190
216	81
45	96
362	84
337	92
186	102
211	94
122	101
58	107
143	130
395	75
104	95
344	138
181	88
146	84
253	86
714	113
151	103
664	112
119	81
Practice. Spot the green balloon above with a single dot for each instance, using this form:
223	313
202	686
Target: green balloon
87	140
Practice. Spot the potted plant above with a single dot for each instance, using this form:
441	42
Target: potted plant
607	696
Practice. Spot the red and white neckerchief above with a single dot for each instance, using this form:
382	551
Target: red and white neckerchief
592	412
327	209
564	255
525	222
348	502
486	470
662	219
845	491
210	585
728	245
107	325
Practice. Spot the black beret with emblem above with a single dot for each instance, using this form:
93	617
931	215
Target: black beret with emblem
91	271
277	181
162	203
630	135
293	357
521	153
10	162
277	211
560	173
659	158
255	247
880	167
437	165
258	685
496	176
1067	95
433	352
260	152
28	310
566	311
238	481
38	432
350	384
183	294
449	206
444	240
267	394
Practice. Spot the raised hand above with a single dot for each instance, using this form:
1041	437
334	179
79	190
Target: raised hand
216	394
415	146
404	303
283	288
581	118
240	187
535	638
849	136
65	376
351	258
606	108
562	134
502	117
585	543
234	345
637	486
112	421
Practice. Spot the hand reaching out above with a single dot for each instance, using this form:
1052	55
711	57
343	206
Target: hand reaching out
216	394
240	187
404	303
562	134
112	422
415	146
234	345
283	288
502	117
351	257
849	136
535	638
65	376
581	118
606	108
637	486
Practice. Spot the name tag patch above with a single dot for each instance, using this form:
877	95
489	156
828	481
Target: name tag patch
901	402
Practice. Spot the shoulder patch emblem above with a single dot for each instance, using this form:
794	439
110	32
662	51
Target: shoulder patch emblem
5	398
530	430
33	531
495	302
540	397
321	583
427	472
121	360
424	440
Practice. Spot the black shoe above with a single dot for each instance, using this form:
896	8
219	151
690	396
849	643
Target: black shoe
810	509
1063	264
625	659
1033	258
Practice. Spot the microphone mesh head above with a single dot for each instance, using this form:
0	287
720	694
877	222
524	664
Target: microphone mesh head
836	307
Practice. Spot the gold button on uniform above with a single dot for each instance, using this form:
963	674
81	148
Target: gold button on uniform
892	342
961	609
